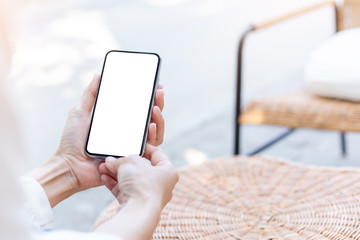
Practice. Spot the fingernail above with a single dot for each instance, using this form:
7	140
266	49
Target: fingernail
109	160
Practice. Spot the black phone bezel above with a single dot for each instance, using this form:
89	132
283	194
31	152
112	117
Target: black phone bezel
155	84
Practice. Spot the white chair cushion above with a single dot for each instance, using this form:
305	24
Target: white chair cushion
333	69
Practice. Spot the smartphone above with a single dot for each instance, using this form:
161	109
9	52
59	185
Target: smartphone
123	105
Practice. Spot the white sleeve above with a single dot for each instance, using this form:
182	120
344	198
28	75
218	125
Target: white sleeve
72	235
37	204
39	210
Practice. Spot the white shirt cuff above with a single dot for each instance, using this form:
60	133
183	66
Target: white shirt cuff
36	202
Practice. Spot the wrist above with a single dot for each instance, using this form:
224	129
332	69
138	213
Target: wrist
137	219
57	179
152	203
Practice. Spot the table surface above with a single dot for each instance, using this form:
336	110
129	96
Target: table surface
260	198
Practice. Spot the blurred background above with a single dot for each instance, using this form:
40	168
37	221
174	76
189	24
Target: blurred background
59	44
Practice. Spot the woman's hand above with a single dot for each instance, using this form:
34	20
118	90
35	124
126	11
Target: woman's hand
134	178
143	189
84	169
76	170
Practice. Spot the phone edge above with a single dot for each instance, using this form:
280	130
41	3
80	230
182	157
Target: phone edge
156	82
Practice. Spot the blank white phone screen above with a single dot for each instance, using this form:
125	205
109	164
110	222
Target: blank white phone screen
122	106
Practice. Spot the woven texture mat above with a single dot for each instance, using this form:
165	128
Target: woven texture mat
304	110
260	198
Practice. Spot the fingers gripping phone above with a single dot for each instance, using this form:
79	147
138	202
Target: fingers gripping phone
123	104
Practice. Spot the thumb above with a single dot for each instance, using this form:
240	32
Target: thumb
89	95
113	164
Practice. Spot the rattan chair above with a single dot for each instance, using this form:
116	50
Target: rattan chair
299	110
260	198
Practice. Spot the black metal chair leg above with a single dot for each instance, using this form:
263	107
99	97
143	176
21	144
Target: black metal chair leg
343	144
237	146
261	148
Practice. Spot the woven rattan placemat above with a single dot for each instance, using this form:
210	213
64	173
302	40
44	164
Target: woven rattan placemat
260	198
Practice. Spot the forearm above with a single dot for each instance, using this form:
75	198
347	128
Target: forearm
135	221
56	179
